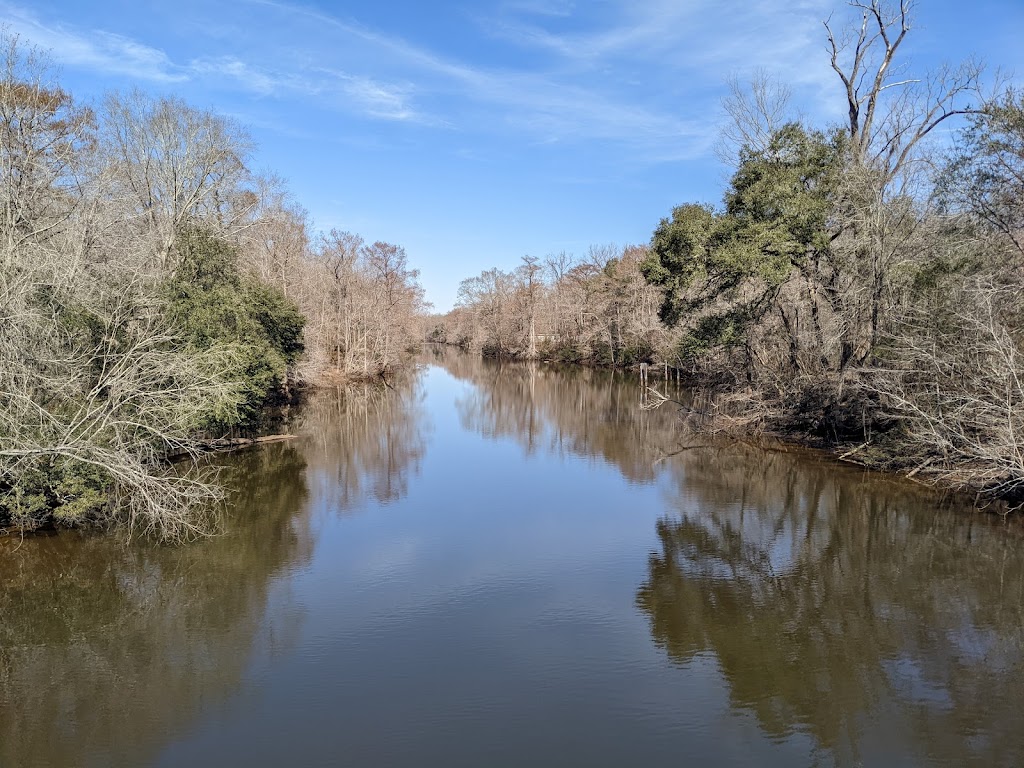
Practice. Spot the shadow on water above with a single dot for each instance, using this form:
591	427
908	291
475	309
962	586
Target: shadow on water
843	605
108	650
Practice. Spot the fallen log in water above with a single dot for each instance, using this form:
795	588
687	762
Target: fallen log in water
232	443
227	444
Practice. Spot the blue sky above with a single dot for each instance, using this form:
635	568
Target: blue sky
475	132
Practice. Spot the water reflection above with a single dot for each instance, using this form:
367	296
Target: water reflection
364	441
563	411
869	614
845	606
793	612
107	650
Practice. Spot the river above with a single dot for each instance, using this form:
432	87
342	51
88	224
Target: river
513	565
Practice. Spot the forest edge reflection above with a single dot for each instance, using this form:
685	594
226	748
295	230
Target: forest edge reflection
822	591
870	615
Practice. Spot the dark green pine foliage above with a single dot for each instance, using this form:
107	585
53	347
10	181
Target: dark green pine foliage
212	301
725	268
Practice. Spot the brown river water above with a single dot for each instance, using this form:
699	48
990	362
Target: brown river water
513	565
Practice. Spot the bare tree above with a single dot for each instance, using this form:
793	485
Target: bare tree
599	309
890	111
489	306
172	164
365	307
272	232
115	240
755	111
42	137
957	382
529	271
985	176
96	389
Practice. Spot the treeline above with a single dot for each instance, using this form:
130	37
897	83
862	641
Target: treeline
597	309
860	283
157	295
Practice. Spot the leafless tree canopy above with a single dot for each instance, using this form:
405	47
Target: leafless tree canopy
99	385
596	309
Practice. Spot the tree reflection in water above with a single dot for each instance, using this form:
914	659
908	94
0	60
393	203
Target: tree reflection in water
843	605
563	411
108	650
364	441
839	607
860	610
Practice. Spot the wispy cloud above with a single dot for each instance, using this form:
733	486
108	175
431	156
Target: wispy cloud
666	52
642	74
544	106
356	93
97	50
641	27
111	54
387	101
645	29
249	77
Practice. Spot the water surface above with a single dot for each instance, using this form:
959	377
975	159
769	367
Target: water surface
508	565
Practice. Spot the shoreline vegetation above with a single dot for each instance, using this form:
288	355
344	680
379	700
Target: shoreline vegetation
712	411
159	300
859	288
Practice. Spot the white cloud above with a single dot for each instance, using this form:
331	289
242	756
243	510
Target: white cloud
378	99
255	79
97	50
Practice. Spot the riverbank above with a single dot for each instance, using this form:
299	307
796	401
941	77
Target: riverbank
855	428
501	544
99	505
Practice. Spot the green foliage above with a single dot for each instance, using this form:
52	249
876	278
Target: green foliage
933	274
63	490
634	354
725	329
781	197
213	302
680	255
491	350
560	352
601	353
725	268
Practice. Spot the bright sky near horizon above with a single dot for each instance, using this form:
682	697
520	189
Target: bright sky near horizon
473	132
